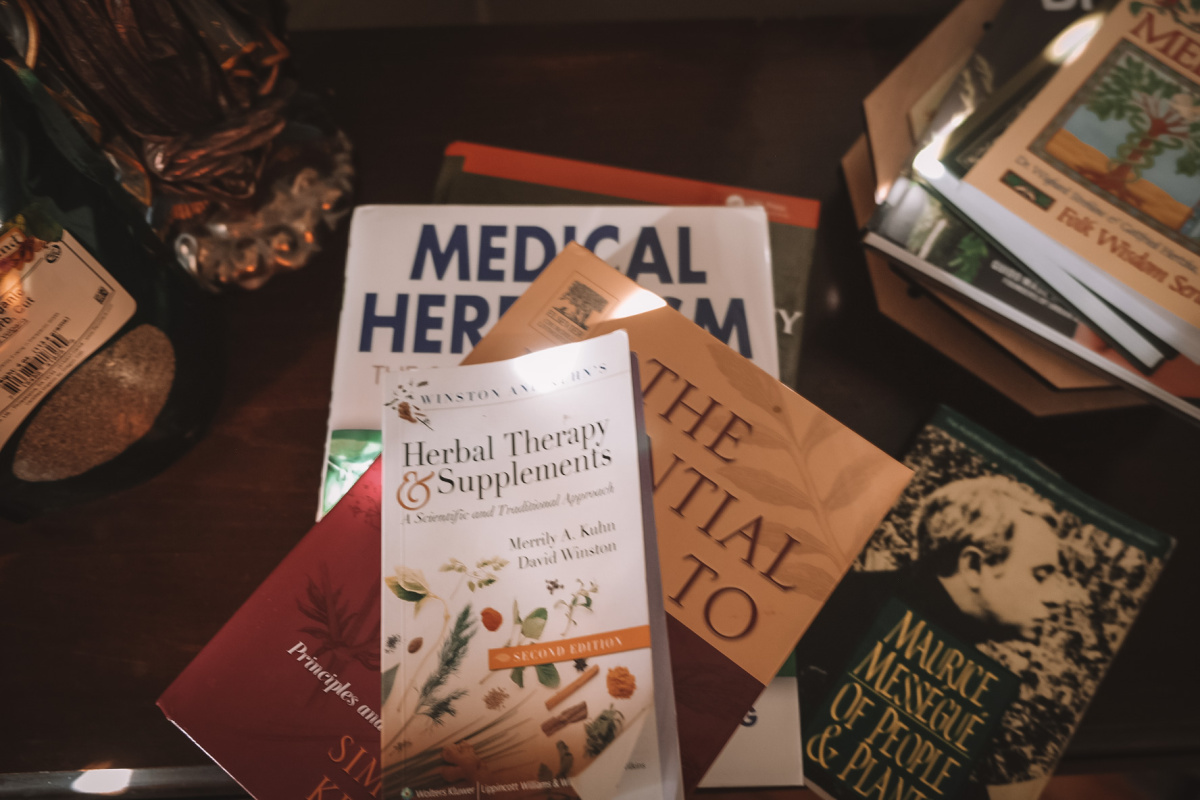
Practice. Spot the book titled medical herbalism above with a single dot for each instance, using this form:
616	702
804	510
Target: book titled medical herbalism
524	645
425	283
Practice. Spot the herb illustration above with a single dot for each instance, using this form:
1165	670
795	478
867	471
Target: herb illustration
344	630
576	713
433	701
602	730
462	764
491	618
553	585
492	741
410	585
565	761
572	687
529	630
580	598
403	401
621	682
495	698
484	573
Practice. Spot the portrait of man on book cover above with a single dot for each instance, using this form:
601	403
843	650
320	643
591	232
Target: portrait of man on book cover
998	566
989	559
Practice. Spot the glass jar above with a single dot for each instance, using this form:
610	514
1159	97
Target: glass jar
110	363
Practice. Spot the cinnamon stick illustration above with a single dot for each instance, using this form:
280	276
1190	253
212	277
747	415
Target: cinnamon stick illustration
573	714
569	689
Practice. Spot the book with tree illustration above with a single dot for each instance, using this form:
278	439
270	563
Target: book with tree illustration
761	499
285	698
424	283
1143	339
957	657
524	638
1104	162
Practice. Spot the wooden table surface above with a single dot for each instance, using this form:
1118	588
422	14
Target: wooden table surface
104	604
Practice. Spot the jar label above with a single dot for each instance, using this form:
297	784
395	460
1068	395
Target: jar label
57	307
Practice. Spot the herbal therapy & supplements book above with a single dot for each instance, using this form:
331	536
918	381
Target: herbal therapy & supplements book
524	644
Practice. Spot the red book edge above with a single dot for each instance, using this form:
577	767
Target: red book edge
565	173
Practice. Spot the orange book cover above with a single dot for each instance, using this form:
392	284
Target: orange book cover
761	500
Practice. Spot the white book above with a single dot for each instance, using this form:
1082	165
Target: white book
524	644
766	750
424	283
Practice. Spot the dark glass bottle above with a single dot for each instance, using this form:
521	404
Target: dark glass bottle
110	362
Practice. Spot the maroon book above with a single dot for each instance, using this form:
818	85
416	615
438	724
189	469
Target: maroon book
286	696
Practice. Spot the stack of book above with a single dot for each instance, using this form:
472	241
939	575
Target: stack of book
1047	199
578	534
734	259
509	503
424	286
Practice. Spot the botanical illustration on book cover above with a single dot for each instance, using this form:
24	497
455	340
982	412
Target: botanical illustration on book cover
1104	161
1132	135
999	601
518	621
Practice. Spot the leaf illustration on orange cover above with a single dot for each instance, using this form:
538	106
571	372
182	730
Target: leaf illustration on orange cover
812	581
810	543
823	426
766	486
755	385
848	485
771	439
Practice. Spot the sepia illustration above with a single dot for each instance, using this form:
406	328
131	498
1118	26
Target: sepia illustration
1029	584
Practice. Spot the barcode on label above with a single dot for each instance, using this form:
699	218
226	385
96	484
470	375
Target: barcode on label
44	354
